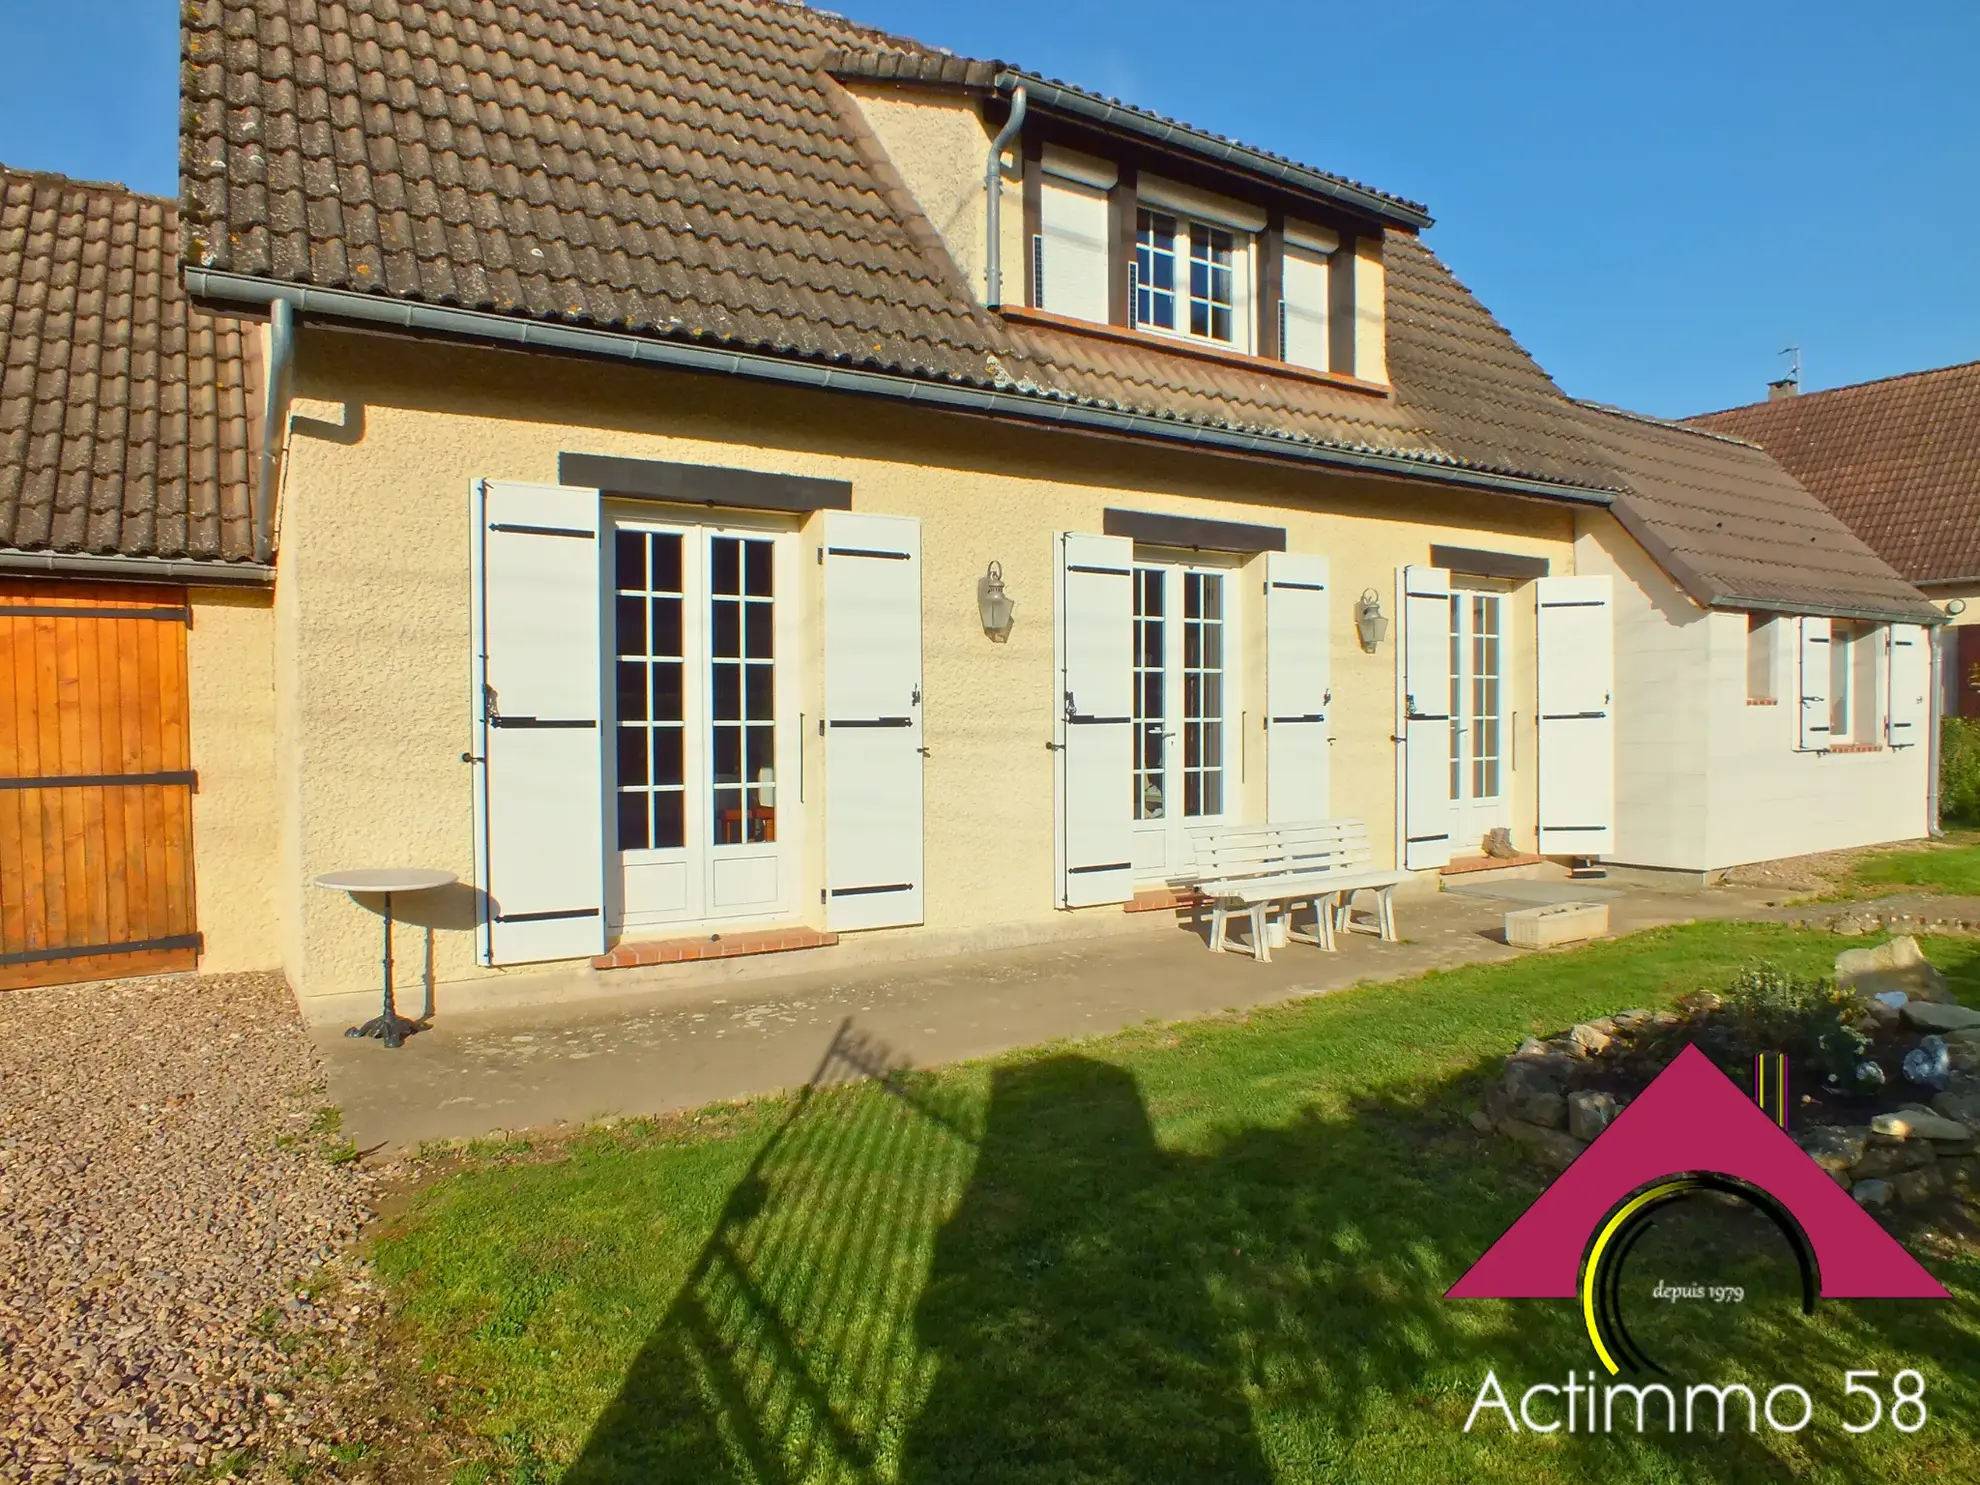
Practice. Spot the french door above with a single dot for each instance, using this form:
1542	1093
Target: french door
702	730
1184	636
1480	799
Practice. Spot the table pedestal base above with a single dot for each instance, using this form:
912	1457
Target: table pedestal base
390	1030
388	1025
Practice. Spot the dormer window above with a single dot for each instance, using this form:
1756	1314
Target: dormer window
1114	244
1206	306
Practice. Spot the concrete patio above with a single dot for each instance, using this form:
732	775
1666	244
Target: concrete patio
663	1049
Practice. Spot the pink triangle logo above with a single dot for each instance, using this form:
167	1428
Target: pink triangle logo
1693	1119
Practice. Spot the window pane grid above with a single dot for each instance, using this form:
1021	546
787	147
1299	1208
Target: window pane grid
1456	708
1485	681
1150	698
1203	693
1211	299
742	690
651	736
1155	270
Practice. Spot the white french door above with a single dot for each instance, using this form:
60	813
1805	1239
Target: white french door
1480	797
701	727
1184	639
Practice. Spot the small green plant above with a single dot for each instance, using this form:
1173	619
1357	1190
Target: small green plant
1959	770
1766	1008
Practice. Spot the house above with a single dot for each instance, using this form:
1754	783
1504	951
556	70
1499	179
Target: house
1773	692
133	600
707	518
1899	461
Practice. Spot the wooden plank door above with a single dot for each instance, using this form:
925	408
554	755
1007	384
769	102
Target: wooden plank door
96	782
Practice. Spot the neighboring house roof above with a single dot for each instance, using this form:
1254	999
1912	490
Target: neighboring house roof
125	413
1898	459
1736	531
689	172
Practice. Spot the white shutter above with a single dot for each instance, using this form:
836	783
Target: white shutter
539	678
1072	261
1813	686
1298	687
1908	711
873	846
1424	595
1303	313
1094	637
1577	733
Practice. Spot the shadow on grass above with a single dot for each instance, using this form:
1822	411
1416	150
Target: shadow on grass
906	1286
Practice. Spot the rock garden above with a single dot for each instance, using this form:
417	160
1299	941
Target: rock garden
1884	1071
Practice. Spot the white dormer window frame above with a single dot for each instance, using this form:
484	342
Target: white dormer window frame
1192	277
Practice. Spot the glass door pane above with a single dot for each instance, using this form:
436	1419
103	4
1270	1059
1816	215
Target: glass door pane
650	767
1485	695
1151	702
742	712
1203	693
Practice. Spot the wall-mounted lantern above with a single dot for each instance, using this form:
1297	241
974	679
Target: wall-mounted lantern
1370	622
994	604
1955	607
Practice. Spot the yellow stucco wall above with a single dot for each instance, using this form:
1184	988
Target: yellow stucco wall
230	679
373	632
938	143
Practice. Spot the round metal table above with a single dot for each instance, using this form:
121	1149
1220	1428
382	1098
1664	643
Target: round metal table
388	1026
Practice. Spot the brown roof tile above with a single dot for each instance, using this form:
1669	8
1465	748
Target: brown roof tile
691	169
1899	460
125	414
1735	529
688	168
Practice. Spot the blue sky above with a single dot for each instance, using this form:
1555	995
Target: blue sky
1654	198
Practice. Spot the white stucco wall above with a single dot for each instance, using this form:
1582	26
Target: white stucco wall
1705	779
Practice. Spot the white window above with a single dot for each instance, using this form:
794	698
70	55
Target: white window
1761	633
1305	296
1069	255
1303	327
1192	278
1855	712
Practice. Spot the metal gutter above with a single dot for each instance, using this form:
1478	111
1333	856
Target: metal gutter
480	325
993	202
1827	610
1057	98
274	416
215	574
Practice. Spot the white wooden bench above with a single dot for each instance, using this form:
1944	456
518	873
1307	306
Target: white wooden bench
1250	870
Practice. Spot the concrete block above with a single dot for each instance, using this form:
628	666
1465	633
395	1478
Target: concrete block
1562	923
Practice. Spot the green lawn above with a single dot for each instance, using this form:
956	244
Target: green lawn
1954	867
1209	1252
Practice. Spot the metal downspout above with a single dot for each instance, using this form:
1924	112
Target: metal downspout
993	197
274	414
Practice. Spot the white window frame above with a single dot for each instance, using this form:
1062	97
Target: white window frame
1244	250
1763	632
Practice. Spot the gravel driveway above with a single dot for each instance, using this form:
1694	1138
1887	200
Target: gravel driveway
166	1187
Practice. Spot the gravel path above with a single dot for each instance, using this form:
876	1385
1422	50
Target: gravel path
166	1189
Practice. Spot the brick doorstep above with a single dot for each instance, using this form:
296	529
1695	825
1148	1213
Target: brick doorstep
713	946
1463	864
1160	900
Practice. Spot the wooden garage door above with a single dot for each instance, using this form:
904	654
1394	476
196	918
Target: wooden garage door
96	783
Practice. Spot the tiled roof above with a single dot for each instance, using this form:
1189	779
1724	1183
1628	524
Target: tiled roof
686	168
125	413
1898	459
901	60
1735	529
689	169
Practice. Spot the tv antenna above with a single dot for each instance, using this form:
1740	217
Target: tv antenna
1794	370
